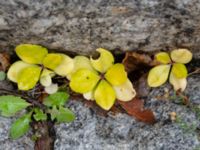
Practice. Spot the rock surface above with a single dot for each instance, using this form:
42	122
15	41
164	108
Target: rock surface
81	26
93	132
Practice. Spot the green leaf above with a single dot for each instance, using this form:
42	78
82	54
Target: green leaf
163	58
32	54
20	126
62	114
179	70
56	99
9	105
2	75
39	115
158	75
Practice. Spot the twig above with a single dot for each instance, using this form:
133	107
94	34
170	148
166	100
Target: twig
197	71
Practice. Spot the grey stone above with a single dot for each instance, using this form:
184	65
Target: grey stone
23	143
81	26
115	132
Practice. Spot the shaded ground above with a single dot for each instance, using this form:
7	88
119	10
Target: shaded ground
115	132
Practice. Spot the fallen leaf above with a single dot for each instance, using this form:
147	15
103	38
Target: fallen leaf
4	61
136	109
134	61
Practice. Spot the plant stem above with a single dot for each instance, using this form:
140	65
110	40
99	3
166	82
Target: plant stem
46	135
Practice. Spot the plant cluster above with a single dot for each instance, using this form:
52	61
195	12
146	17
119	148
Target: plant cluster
171	67
10	105
100	80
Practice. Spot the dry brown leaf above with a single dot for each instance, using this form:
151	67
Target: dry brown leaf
136	109
4	61
134	61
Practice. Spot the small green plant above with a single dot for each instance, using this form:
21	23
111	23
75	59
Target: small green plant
98	79
186	127
101	80
10	105
174	63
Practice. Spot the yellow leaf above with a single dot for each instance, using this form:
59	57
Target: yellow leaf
15	69
83	81
177	82
105	61
45	78
52	60
116	74
181	56
89	95
65	67
179	70
29	53
158	75
51	89
47	72
81	62
125	92
28	77
104	95
163	57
